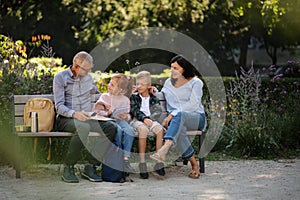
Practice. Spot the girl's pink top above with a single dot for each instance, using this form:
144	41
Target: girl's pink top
107	101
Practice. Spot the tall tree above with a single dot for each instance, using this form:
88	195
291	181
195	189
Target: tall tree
285	33
220	26
23	19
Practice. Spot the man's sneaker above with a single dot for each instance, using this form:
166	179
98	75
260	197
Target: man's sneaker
69	175
90	173
127	167
143	171
159	169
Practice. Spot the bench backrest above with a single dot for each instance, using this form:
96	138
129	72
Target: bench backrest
19	102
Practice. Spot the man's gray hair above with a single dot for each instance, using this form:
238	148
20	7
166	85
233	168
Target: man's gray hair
81	57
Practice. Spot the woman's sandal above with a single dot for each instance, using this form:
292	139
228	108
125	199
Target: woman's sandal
194	174
157	157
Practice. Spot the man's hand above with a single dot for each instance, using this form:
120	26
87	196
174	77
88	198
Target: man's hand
81	116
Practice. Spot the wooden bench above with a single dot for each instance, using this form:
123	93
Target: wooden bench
18	103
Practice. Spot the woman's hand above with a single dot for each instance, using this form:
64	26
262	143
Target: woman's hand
167	120
153	90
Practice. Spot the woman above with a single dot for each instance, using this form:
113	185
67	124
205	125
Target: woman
183	93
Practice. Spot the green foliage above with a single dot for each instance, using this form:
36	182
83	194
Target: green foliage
262	116
20	75
220	26
271	12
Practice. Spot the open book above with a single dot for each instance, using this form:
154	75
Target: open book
94	116
117	111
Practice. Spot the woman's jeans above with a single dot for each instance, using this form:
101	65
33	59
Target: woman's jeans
81	131
125	133
177	128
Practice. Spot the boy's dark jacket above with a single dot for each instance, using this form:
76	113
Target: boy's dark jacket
155	108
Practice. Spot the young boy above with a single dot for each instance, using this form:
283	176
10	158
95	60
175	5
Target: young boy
145	109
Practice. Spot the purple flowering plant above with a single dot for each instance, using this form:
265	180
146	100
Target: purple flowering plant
261	113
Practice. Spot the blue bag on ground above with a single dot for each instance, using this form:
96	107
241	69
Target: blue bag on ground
113	165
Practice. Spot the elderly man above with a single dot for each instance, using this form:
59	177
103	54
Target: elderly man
72	90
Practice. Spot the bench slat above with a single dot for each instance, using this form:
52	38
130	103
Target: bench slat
190	133
50	134
19	110
22	99
19	120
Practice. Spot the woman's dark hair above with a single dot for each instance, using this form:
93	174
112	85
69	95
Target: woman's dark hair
189	69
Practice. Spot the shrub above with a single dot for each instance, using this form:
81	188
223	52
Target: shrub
262	115
20	75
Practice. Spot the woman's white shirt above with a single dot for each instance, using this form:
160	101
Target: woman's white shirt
187	97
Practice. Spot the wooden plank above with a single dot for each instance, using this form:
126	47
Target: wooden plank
95	97
21	99
163	106
19	120
19	110
194	133
51	134
162	100
160	96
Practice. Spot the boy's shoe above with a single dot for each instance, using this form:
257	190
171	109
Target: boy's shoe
127	167
69	174
90	173
159	169
143	171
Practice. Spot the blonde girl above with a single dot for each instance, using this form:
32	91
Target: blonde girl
116	104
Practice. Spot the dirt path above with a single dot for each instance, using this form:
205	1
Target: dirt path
223	180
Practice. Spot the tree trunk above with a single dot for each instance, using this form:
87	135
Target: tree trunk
243	51
271	51
274	56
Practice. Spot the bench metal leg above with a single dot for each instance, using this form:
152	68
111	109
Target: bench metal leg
202	165
201	160
17	162
185	162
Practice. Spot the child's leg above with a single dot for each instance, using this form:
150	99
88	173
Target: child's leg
143	132
119	136
158	130
128	137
